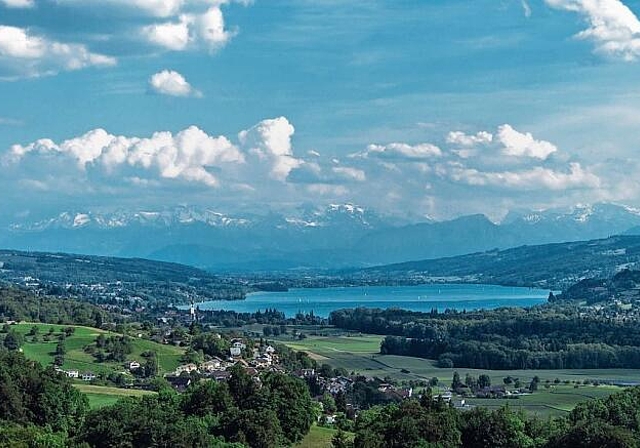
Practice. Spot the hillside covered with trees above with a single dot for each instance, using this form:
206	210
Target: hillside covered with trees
18	304
553	266
113	280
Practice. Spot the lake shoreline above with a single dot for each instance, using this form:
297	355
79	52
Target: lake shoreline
426	297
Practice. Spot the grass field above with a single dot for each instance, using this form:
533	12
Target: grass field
77	359
334	348
361	355
556	400
318	437
100	396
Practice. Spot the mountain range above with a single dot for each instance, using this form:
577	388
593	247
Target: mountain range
333	237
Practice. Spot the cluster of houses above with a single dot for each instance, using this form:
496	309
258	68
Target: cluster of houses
457	398
391	391
342	384
617	310
74	374
264	359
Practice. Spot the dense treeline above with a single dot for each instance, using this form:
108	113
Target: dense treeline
228	318
41	408
17	304
33	396
536	338
613	422
277	413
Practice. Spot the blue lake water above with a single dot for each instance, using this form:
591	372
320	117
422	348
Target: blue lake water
416	298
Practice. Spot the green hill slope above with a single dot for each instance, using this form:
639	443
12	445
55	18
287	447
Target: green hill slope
76	358
553	266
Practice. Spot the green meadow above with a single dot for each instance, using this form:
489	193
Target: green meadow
100	396
76	358
319	437
555	400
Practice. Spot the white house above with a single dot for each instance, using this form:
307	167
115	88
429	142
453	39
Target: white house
73	373
269	350
239	344
88	376
235	351
133	365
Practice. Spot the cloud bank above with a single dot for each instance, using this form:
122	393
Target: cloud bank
139	26
485	171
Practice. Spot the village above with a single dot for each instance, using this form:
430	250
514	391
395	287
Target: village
264	359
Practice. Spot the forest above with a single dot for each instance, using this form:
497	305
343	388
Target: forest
102	279
544	337
18	304
41	408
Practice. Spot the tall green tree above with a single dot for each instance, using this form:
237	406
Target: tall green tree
13	340
289	398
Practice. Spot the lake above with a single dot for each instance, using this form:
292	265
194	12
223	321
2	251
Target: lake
416	298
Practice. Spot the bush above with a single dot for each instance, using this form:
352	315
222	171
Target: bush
445	363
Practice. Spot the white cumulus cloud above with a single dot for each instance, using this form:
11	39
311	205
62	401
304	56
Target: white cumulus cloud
523	144
191	31
270	141
168	25
169	35
612	26
190	155
262	157
172	83
23	53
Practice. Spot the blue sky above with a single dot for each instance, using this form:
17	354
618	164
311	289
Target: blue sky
421	108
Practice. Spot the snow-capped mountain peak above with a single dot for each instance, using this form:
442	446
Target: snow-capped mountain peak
349	208
581	213
81	219
119	219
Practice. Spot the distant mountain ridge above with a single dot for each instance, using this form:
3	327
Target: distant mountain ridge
305	216
552	266
332	237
